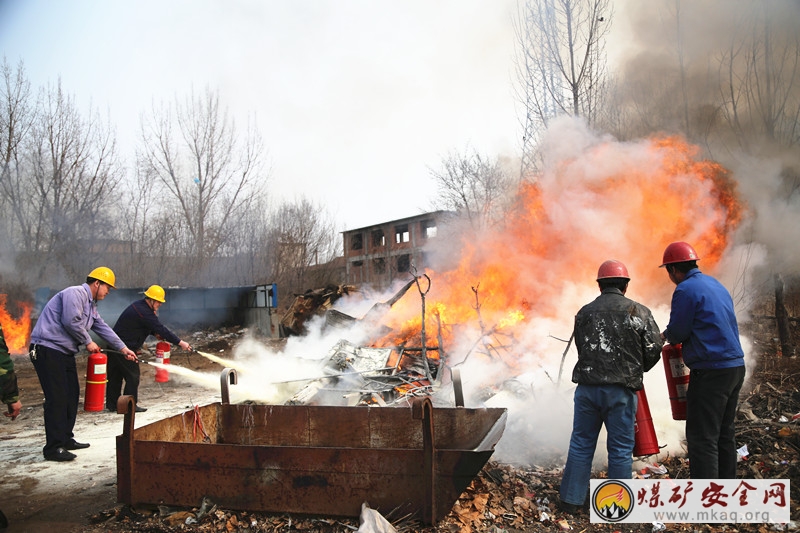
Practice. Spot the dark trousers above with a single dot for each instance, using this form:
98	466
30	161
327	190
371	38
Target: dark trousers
120	369
711	402
58	377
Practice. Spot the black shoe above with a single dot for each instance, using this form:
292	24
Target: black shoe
60	455
140	409
569	508
74	445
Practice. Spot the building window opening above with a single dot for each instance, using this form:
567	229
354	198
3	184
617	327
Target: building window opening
428	229
378	238
403	263
379	265
358	263
357	241
401	234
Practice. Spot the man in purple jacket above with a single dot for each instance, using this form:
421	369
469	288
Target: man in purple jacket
138	321
63	326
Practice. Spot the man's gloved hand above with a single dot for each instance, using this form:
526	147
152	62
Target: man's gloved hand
130	355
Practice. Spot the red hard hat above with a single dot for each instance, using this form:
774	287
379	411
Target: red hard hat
679	252
612	269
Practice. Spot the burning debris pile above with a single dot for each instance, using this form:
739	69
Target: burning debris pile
313	302
356	374
371	376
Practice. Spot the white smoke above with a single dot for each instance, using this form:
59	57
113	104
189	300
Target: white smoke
527	369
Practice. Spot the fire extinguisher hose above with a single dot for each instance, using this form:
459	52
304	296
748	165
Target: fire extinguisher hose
136	360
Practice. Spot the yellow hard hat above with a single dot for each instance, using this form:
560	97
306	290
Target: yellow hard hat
104	274
156	293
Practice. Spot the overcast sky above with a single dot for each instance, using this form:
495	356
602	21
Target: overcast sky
356	100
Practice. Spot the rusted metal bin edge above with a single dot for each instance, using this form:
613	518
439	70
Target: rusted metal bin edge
330	480
311	481
475	429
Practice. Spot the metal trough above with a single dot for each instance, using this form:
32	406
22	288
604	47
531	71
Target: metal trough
315	460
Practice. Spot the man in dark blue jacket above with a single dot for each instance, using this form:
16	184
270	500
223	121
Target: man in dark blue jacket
703	320
138	321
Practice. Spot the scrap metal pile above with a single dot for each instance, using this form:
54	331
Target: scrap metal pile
362	375
371	376
311	303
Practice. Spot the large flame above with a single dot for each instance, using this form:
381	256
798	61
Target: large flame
623	201
16	331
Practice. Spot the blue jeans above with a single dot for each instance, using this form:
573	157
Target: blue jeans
595	405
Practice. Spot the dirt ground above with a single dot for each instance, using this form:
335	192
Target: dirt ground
47	496
80	496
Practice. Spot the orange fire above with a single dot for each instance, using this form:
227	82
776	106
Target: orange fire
623	201
16	331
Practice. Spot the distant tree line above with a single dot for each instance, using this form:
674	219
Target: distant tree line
191	210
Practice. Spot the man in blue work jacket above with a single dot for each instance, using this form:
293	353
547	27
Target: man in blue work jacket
703	320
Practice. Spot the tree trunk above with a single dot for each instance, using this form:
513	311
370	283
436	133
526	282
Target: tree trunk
782	319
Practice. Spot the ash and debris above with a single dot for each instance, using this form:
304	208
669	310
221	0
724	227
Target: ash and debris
373	376
506	498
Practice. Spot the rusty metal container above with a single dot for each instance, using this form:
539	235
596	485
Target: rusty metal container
314	460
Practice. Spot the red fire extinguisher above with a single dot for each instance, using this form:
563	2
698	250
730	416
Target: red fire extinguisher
646	442
677	379
95	382
162	357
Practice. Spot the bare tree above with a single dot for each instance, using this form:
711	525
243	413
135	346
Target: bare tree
759	78
75	170
146	232
59	174
250	251
474	186
670	87
302	238
560	64
16	119
207	173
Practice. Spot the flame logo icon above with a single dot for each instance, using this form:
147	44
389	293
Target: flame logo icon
612	501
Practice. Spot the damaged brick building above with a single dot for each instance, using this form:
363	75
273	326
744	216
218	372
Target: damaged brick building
379	254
